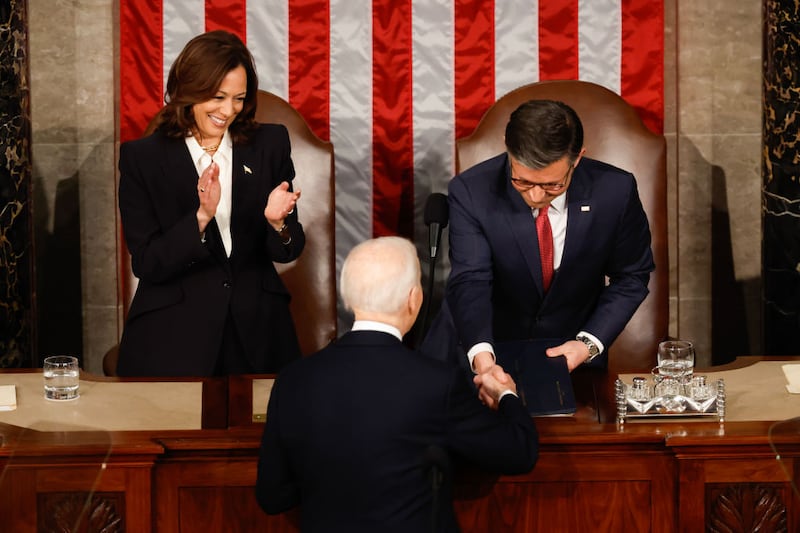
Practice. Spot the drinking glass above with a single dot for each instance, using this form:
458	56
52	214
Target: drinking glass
61	375
676	360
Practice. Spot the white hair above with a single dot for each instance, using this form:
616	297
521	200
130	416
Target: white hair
378	275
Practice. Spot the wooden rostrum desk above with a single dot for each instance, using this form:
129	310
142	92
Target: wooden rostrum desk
188	463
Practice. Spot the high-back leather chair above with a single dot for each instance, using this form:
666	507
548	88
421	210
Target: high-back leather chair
311	279
613	133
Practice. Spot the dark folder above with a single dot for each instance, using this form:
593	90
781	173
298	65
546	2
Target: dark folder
543	383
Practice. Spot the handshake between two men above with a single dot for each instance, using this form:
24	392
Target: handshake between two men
493	381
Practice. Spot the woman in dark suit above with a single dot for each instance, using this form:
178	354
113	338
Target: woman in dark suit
207	206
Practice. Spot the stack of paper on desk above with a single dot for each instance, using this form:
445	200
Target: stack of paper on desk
8	397
792	373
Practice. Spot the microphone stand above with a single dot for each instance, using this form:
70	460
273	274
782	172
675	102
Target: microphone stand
439	468
426	303
436	218
436	485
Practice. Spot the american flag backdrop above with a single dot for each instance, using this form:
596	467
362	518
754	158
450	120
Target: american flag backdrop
393	83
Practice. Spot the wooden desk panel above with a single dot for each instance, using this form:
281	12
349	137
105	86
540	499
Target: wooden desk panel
210	494
738	486
74	486
571	490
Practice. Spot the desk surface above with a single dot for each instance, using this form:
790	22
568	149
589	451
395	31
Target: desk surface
755	388
105	405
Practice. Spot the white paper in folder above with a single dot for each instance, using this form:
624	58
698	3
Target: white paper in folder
792	373
8	397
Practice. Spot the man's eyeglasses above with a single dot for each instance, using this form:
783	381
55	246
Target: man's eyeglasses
525	185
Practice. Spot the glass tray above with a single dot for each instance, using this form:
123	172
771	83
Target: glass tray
661	397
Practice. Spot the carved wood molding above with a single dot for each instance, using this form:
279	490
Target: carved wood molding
81	512
746	507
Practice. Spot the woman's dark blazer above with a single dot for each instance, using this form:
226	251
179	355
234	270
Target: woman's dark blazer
188	288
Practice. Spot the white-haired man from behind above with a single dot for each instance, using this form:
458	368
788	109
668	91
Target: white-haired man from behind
350	429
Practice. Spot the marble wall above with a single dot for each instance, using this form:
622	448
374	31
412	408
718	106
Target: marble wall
16	264
712	126
73	91
716	176
781	177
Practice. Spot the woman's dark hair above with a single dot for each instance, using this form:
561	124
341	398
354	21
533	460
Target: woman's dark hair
196	76
541	132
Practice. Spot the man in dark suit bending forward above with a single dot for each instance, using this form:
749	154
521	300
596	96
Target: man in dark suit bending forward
350	429
544	244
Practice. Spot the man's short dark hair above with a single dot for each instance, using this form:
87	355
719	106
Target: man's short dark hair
540	132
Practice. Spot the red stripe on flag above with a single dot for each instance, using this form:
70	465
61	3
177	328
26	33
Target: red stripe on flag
229	15
558	40
309	62
392	134
642	62
473	68
140	66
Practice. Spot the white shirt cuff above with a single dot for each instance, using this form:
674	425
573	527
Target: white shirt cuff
478	348
507	391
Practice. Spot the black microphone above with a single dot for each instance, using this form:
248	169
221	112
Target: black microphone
437	214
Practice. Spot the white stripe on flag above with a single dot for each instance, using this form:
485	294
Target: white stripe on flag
182	20
600	42
351	125
516	35
433	110
268	41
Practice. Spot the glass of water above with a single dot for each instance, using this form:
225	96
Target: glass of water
676	360
61	377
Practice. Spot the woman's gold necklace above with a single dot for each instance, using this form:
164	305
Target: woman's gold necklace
207	149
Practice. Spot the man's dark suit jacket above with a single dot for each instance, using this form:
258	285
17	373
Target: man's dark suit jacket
348	428
494	292
188	288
